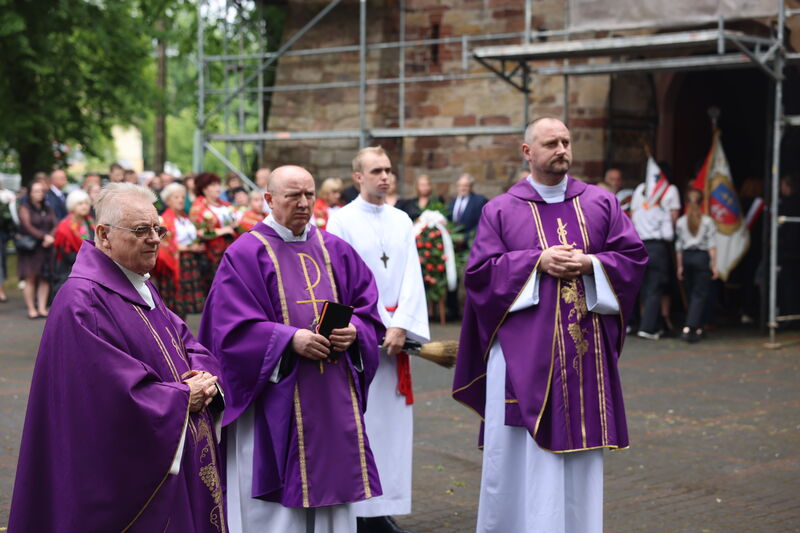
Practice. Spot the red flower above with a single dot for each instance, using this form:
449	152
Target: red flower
444	257
429	267
428	245
426	253
439	246
432	234
419	243
421	260
440	267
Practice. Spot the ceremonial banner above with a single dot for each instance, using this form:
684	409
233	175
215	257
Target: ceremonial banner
721	203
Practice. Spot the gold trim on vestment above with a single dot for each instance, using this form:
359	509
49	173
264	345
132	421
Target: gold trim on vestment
274	259
571	294
159	342
301	445
610	447
601	382
210	476
576	203
362	454
180	349
537	219
552	365
158	487
310	284
562	363
328	266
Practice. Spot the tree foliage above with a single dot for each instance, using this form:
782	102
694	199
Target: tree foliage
69	70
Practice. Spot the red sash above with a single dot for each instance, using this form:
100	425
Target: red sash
404	385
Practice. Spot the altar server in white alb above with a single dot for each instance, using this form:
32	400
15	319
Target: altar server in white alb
384	238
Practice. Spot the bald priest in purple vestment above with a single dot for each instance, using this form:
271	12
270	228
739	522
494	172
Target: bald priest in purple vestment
552	275
298	454
120	429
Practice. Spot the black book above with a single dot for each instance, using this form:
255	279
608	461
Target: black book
334	316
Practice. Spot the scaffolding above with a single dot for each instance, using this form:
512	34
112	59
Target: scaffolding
566	52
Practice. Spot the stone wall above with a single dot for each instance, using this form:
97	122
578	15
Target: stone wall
495	161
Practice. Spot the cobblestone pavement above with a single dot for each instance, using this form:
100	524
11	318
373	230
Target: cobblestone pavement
715	435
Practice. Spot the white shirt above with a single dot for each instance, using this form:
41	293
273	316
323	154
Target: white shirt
138	282
185	231
458	207
654	223
285	233
225	214
383	231
704	240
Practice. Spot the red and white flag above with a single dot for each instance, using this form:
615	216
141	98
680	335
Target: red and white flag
721	203
655	183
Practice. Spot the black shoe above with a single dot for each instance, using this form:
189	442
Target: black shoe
379	524
686	334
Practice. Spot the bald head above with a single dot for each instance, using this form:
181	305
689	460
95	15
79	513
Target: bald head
291	197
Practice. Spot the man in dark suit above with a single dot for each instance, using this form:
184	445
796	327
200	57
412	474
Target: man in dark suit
55	196
465	211
465	208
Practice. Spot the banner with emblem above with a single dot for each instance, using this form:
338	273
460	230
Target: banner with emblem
721	203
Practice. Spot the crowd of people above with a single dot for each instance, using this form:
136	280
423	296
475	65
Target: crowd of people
300	327
682	242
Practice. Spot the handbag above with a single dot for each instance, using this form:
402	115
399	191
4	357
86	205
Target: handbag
25	242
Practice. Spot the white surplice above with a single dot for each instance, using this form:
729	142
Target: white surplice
524	488
376	232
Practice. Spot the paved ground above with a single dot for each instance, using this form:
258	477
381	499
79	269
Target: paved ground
714	431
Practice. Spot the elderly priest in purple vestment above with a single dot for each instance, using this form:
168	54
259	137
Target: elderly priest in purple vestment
120	430
552	276
298	455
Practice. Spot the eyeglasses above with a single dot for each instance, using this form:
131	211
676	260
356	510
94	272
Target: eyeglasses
143	231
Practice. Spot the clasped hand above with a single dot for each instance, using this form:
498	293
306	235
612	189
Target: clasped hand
202	389
565	262
316	347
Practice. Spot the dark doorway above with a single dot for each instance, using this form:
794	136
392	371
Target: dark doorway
745	102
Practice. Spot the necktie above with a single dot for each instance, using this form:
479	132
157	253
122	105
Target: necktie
459	208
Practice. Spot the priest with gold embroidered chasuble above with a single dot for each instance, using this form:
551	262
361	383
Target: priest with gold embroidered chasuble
298	454
121	428
551	279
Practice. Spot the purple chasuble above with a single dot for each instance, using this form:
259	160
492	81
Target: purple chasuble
106	414
310	448
562	380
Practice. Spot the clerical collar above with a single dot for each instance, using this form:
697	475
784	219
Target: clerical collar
550	193
138	282
368	206
285	233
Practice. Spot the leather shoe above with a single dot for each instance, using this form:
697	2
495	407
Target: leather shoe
379	524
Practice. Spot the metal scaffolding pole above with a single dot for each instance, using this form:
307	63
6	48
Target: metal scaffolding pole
777	136
362	73
199	140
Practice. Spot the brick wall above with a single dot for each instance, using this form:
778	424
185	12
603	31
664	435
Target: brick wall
494	160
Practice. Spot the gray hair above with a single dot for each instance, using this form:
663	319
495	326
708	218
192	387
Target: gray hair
171	189
469	177
77	197
109	203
